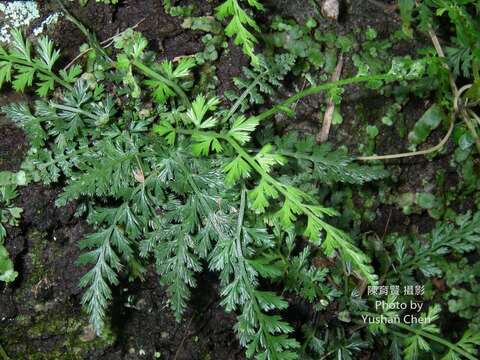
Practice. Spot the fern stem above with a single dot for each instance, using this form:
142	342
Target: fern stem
430	150
153	74
49	73
91	38
436	339
241	214
319	88
75	110
430	336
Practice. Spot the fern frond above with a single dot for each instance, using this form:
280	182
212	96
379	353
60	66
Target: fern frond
99	279
295	201
326	164
445	238
470	342
239	25
177	264
178	247
263	79
109	250
242	128
21	115
109	175
19	66
264	335
48	55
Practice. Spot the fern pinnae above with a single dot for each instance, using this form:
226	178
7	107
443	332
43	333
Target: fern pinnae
99	279
176	263
445	238
296	202
294	205
17	65
238	25
179	246
264	335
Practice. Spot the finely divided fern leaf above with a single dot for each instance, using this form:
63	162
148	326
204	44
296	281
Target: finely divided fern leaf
164	87
238	168
262	80
417	343
242	128
239	25
177	264
20	46
265	335
99	279
23	77
326	164
200	107
470	342
445	238
21	115
48	55
19	66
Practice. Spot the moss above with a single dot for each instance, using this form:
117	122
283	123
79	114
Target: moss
66	331
63	330
36	270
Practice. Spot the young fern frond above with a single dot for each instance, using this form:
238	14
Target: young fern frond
462	237
239	25
106	177
21	68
